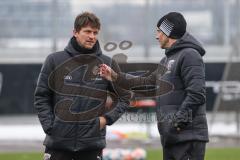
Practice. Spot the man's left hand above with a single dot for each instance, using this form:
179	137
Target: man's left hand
103	122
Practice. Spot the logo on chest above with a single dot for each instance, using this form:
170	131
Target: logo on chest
170	65
68	77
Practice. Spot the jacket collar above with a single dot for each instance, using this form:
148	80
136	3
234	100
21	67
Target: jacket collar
73	48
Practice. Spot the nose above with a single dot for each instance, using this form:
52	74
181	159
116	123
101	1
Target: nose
157	36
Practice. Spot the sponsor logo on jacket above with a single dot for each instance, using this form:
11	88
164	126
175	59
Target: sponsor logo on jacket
169	65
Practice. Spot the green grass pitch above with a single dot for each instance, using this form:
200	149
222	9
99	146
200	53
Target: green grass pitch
153	154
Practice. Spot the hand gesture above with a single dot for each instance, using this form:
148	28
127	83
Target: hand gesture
107	72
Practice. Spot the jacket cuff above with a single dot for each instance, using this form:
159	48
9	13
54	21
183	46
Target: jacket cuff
108	120
48	130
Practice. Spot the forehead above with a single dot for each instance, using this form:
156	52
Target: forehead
157	29
89	28
160	31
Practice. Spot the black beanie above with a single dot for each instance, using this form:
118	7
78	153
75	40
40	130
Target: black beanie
173	25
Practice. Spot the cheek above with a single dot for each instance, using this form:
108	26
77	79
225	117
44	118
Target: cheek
82	37
165	38
158	35
161	38
79	39
95	37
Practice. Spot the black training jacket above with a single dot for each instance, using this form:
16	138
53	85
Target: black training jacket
70	96
181	93
182	112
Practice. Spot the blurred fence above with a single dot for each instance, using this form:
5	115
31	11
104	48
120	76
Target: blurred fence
37	27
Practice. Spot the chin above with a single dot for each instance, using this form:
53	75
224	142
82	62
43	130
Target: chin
88	47
163	47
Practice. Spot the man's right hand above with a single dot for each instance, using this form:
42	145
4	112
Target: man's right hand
106	72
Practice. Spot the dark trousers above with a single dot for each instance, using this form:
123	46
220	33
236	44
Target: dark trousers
192	150
51	154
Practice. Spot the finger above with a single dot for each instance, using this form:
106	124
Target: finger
102	68
103	65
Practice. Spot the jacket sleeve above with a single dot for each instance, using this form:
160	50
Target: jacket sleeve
193	76
151	84
122	87
128	81
43	97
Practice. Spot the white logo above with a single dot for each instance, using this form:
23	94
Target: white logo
169	65
95	70
97	79
68	77
46	156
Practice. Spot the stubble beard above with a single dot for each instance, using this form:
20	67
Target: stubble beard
164	44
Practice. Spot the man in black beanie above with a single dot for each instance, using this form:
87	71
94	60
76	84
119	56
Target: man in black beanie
185	136
181	113
70	96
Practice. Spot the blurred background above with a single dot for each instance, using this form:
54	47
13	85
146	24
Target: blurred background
32	29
